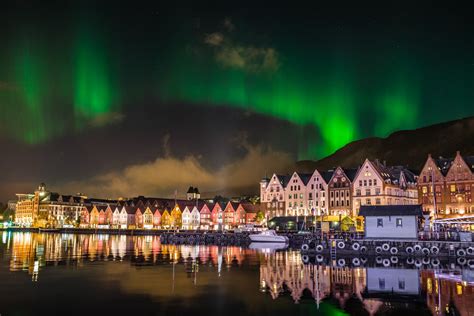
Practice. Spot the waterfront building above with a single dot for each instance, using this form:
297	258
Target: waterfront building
391	221
148	218
378	184
340	192
229	215
196	216
187	217
251	210
297	195
272	195
166	222
205	217
156	218
217	216
94	217
317	190
176	216
447	183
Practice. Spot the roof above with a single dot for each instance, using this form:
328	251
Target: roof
190	190
250	208
389	210
351	173
305	177
284	179
469	162
392	173
327	175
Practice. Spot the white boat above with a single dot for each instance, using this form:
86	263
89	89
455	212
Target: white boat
268	247
268	236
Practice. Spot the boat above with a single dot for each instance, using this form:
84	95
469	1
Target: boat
268	247
268	236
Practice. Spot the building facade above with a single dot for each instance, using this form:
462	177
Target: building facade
378	184
445	186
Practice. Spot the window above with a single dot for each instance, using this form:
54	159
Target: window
381	284
379	222
367	201
425	190
401	284
399	222
365	183
358	192
360	183
375	181
370	182
367	191
453	188
377	191
377	201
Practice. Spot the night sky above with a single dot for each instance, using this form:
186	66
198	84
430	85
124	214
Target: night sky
119	99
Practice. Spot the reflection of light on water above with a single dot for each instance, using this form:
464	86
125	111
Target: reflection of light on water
35	271
4	237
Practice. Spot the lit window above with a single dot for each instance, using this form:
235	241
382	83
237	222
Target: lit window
399	222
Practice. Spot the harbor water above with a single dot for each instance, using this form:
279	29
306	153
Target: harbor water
57	274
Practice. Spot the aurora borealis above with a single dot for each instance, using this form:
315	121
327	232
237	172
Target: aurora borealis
302	80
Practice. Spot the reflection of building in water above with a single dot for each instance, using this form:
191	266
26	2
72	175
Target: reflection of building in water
448	292
284	271
387	287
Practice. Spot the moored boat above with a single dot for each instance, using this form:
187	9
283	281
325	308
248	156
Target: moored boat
268	236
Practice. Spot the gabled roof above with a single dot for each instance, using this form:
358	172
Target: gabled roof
351	173
284	179
390	210
469	162
250	208
327	175
305	177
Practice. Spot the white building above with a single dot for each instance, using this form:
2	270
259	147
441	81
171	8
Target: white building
317	190
297	195
391	221
378	184
272	195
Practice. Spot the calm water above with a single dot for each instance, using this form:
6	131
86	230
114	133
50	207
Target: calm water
117	275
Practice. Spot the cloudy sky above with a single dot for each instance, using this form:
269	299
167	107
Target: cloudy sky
126	98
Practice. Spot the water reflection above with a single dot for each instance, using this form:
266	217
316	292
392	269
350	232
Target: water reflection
196	271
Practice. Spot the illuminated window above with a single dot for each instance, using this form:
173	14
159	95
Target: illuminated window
425	190
399	222
453	188
379	222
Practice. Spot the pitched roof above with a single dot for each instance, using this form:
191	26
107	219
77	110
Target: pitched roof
327	175
284	179
392	173
305	177
351	173
469	162
190	190
443	164
390	210
250	208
